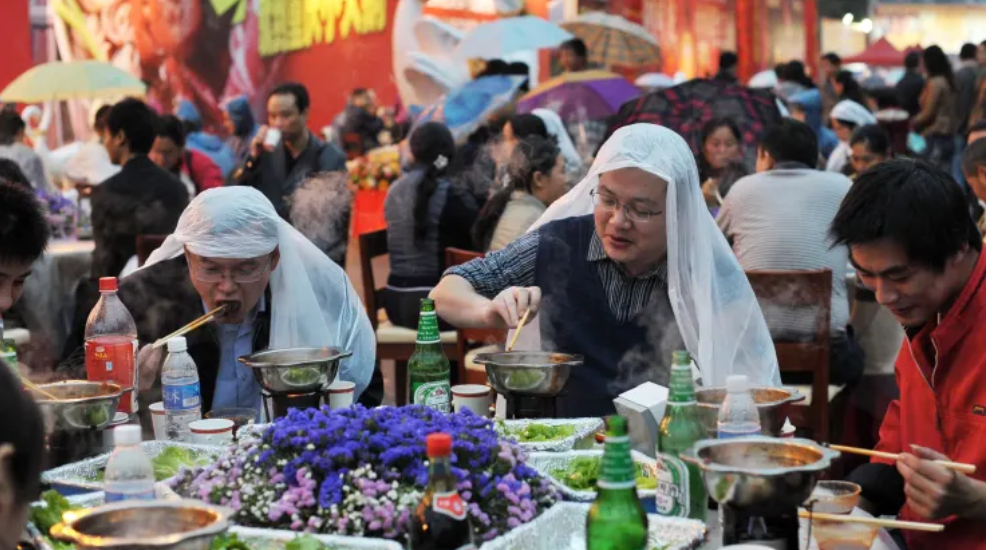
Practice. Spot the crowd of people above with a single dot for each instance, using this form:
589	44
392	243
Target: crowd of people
623	258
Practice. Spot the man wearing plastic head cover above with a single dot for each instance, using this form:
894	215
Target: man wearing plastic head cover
624	269
231	248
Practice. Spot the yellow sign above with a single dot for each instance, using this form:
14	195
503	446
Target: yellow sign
290	25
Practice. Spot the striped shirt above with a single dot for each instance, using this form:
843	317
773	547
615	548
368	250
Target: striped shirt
515	266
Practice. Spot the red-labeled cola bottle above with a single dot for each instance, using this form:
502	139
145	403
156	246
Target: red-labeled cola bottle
441	520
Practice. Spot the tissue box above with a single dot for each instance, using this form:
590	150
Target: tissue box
643	406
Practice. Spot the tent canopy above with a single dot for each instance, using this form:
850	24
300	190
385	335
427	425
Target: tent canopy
880	54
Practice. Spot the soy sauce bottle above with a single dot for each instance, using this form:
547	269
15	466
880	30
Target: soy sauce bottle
440	521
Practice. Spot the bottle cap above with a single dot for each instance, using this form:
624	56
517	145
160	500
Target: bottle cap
129	434
177	344
438	445
108	284
737	383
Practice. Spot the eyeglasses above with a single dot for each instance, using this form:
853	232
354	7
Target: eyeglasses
609	203
240	275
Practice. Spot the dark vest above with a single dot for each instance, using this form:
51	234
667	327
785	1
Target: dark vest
575	318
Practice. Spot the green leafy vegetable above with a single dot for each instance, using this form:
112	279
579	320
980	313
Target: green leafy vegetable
172	459
537	433
302	376
304	542
44	517
228	542
581	474
524	379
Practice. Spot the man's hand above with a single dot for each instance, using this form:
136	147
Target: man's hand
506	309
257	144
149	360
935	492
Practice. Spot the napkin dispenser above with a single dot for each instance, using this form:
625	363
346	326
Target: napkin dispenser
643	406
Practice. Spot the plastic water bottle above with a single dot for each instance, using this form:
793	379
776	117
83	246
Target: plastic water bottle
129	474
739	416
181	390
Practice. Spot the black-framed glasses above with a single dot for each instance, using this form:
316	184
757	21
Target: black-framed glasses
611	204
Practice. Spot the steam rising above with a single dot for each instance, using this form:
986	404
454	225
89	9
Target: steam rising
321	210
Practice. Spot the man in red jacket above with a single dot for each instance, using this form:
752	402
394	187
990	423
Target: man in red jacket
194	168
914	243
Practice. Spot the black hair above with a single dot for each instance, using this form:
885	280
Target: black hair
525	125
727	60
429	142
101	118
912	203
974	156
171	127
795	71
885	98
791	140
495	67
358	92
575	45
25	433
936	63
24	231
912	60
11	124
11	172
833	58
705	170
779	71
874	138
531	154
852	90
979	126
137	121
294	89
734	171
969	51
520	68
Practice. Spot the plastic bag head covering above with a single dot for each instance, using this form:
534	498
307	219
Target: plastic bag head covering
852	111
555	128
312	301
715	308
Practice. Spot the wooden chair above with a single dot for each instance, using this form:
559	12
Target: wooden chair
353	144
810	290
145	245
393	343
472	342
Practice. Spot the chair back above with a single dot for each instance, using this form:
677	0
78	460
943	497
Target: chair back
808	291
145	245
354	145
371	246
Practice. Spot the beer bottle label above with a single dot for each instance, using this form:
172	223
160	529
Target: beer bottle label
427	328
673	486
450	504
435	395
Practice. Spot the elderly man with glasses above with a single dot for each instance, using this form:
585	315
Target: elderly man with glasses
231	248
624	269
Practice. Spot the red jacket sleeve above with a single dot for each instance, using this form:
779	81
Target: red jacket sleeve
206	174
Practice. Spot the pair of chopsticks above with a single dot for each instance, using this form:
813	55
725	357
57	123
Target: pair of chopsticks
887	523
517	331
203	320
32	386
957	466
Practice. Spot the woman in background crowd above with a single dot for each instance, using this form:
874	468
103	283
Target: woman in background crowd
849	89
792	80
845	117
869	146
537	179
720	144
239	122
937	120
425	213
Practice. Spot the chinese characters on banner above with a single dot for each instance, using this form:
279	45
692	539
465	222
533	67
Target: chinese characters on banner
290	25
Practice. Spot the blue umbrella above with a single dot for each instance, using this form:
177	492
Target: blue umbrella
464	109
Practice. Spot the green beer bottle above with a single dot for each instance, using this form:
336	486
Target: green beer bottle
617	520
428	369
680	489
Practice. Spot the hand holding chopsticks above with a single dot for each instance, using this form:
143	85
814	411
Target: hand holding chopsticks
957	466
886	523
517	332
203	320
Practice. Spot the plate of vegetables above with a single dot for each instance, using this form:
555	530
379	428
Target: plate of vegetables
552	435
575	473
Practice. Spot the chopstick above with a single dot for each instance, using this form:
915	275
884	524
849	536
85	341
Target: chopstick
517	332
204	319
888	523
957	466
31	386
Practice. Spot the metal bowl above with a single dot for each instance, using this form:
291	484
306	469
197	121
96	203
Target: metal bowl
137	525
773	404
81	404
765	475
538	373
297	370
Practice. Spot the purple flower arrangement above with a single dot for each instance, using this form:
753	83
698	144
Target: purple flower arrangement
361	471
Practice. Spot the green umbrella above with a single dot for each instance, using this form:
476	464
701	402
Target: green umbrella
58	80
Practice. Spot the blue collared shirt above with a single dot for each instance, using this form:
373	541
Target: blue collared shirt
235	385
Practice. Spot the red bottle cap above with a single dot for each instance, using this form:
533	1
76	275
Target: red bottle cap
438	445
108	284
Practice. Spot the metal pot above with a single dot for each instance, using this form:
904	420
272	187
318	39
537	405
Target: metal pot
765	475
81	405
538	373
296	370
139	525
773	404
